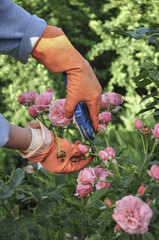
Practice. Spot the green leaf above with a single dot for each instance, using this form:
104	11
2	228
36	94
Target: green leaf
117	31
156	226
123	236
148	65
143	83
156	113
134	35
6	192
20	196
59	179
16	180
142	75
154	74
97	195
150	104
127	180
152	39
45	222
147	236
33	192
142	30
144	110
44	207
148	96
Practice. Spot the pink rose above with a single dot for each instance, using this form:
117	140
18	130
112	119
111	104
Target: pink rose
111	98
132	214
111	152
44	99
141	190
83	190
57	113
117	228
108	203
101	185
115	99
104	101
99	171
28	97
138	123
105	117
33	112
155	132
83	149
86	176
154	172
104	155
101	128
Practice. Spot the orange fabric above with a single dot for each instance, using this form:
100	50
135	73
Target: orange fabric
57	54
50	162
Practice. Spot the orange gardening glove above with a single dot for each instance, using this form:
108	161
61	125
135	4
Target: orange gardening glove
44	149
67	161
56	53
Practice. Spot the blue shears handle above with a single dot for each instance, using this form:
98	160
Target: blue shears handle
82	118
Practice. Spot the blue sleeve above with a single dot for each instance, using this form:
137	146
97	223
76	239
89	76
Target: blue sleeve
19	31
4	131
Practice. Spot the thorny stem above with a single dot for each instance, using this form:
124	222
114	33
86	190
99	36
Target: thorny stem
142	166
146	149
10	177
153	148
55	133
120	166
82	225
116	167
142	139
106	140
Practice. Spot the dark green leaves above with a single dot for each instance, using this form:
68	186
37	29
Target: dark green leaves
98	195
142	32
15	180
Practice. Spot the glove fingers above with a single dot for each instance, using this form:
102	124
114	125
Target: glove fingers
77	166
75	161
94	108
70	106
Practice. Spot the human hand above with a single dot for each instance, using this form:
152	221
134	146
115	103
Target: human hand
68	160
55	51
47	152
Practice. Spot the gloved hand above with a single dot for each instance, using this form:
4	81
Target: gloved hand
56	53
47	152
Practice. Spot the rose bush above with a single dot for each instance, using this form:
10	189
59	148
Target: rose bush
115	197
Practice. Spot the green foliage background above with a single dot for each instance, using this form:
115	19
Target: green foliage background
115	60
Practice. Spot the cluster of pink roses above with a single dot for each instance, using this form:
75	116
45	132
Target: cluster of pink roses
110	103
145	130
108	153
89	178
39	102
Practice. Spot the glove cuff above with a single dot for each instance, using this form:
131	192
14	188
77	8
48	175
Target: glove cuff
41	139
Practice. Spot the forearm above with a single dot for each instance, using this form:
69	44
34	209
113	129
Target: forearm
19	30
19	138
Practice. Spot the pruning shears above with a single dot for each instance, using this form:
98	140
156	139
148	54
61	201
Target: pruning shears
83	120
